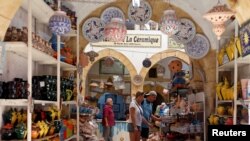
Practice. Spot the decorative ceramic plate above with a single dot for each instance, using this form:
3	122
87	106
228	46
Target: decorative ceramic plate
93	29
198	47
140	15
112	12
244	38
186	31
137	80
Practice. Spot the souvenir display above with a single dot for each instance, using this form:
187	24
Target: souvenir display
112	12
93	29
186	31
140	15
198	47
244	39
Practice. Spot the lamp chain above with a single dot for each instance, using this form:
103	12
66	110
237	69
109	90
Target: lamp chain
59	5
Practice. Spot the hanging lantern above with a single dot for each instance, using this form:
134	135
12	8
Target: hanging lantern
218	15
146	63
59	23
115	31
169	23
109	61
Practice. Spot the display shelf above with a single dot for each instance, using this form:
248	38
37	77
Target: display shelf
20	48
70	138
40	139
46	138
224	101
69	102
43	14
240	102
44	102
241	61
13	102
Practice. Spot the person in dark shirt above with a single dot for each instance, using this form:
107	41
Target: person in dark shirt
108	120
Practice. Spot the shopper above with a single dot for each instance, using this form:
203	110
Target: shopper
108	120
147	107
135	117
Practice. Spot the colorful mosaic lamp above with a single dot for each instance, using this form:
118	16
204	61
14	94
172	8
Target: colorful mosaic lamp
115	31
218	15
169	22
59	23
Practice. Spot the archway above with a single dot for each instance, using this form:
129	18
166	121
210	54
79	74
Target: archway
119	56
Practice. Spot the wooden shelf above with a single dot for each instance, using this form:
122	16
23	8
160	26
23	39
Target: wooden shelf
40	139
46	138
40	57
69	103
44	102
241	61
240	102
13	102
43	14
224	101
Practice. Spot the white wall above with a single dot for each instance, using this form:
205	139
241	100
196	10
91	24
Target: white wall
20	20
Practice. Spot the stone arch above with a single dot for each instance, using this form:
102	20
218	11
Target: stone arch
7	12
161	55
119	56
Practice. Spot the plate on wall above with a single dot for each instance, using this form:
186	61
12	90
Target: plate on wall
93	29
137	80
198	47
140	15
186	32
112	12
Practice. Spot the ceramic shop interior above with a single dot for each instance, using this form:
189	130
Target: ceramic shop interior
58	68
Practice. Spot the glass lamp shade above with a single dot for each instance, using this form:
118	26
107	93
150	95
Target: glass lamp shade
115	31
59	23
169	23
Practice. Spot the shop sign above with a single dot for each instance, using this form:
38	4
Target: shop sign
134	40
174	45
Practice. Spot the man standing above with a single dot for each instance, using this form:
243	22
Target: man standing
147	106
108	120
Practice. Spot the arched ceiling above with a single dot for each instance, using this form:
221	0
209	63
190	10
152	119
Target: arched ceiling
193	9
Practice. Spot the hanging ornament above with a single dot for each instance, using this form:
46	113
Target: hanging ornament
146	63
169	23
218	15
92	54
109	61
115	31
59	23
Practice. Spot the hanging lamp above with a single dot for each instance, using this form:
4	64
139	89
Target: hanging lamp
59	23
169	22
115	31
218	15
